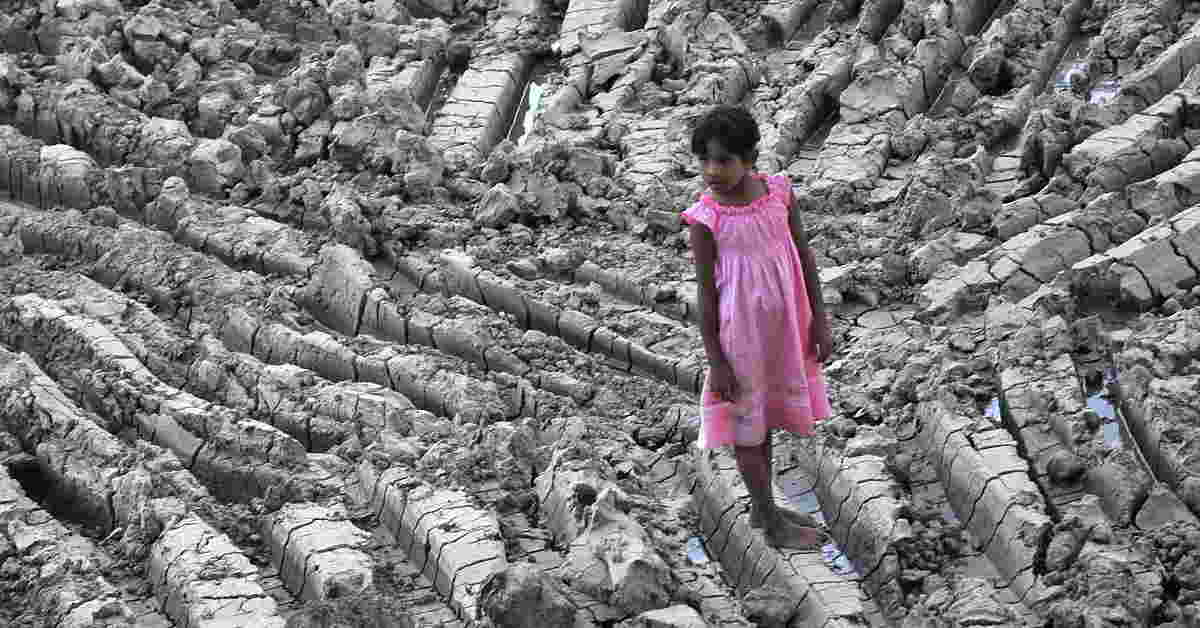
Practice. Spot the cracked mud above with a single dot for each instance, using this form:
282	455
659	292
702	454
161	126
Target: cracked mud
379	313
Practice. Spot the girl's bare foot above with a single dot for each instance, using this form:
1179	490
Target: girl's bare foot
797	518
794	538
780	532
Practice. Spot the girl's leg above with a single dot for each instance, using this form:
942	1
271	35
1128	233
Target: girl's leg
755	465
762	515
784	526
767	453
754	472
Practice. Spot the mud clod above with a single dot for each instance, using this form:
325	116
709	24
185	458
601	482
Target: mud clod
381	314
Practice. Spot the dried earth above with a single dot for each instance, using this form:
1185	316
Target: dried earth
379	313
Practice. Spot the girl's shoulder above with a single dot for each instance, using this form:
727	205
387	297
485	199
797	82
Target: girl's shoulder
705	211
779	185
778	192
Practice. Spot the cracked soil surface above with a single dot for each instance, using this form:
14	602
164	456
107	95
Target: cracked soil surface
379	313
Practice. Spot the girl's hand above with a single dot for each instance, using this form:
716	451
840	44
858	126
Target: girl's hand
722	382
821	338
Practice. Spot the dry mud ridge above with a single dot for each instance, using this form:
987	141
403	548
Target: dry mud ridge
369	314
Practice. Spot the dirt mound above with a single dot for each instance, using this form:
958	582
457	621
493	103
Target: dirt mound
380	313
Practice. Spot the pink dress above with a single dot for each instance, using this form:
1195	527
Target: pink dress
764	319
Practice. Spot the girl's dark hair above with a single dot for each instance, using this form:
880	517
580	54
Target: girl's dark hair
732	126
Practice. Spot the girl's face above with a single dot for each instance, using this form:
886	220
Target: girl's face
723	170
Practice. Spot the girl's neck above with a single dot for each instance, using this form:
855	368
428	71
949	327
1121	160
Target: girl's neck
748	190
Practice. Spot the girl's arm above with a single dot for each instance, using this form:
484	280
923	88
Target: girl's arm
704	249
812	282
812	277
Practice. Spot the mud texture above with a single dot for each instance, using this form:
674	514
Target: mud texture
379	313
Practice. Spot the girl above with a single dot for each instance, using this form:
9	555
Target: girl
762	318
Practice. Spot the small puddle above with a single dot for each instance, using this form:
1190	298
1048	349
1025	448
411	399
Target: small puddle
1062	81
1073	61
1104	91
993	409
695	551
531	105
807	502
1098	401
837	560
800	496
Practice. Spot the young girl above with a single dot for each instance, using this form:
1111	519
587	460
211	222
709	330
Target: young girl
762	318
